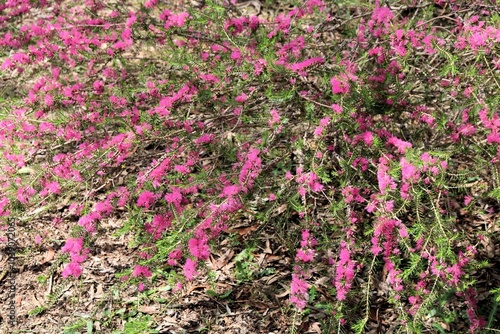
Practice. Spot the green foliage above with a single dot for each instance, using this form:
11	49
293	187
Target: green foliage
374	222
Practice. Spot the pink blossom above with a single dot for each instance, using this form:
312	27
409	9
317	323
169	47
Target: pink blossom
467	200
183	169
305	256
190	269
409	172
20	58
427	158
72	269
382	15
150	3
174	197
174	256
324	121
351	193
385	181
205	139
25	193
339	86
103	207
344	272
158	225
275	117
389	206
493	137
368	138
174	20
78	258
50	188
311	4
141	271
337	108
466	129
298	292
250	169
299	67
305	238
199	248
49	100
7	64
241	98
73	245
318	131
146	199
230	191
401	145
209	78
299	301
98	87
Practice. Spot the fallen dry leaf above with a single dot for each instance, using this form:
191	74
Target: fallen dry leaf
148	309
49	255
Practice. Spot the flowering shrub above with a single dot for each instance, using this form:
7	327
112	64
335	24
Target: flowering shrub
360	138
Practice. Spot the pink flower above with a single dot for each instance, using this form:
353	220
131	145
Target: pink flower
324	121
157	226
493	137
72	269
24	194
382	15
78	258
87	221
98	87
49	100
344	272
250	169
173	20
401	145
318	131
368	138
20	58
150	3
241	98
199	248
174	256
409	172
385	181
298	292
181	169
205	139
146	199
73	245
190	269
230	191
50	188
175	197
275	117
141	271
339	87
299	67
53	187
103	207
305	256
337	108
